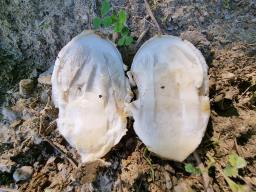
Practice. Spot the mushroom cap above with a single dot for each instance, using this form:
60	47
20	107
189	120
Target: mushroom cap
172	107
90	89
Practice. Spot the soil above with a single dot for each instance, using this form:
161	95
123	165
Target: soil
225	32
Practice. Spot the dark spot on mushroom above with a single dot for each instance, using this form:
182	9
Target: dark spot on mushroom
79	88
162	87
100	96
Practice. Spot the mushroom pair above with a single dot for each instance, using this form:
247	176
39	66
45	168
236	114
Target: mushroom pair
93	95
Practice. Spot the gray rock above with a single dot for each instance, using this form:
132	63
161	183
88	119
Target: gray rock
47	72
26	87
45	80
31	38
6	165
23	174
8	114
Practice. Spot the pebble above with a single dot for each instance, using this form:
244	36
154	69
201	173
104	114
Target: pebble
45	77
26	87
8	114
169	169
6	165
44	96
195	37
228	75
218	98
23	174
45	80
167	180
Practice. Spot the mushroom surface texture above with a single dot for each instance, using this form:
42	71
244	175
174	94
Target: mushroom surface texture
172	107
91	91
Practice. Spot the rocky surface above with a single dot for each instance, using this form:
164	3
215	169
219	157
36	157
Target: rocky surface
32	33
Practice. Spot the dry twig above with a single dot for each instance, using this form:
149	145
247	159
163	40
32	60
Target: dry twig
8	190
205	175
152	16
70	159
141	37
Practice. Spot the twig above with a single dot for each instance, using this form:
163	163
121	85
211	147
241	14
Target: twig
246	90
71	160
239	152
43	112
202	168
24	142
150	163
8	189
141	37
152	16
51	125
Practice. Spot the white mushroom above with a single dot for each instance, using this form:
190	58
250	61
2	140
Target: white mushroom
90	89
172	107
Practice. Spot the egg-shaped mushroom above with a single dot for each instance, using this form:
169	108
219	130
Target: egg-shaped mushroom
91	91
171	111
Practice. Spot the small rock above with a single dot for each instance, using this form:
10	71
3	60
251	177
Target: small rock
228	75
169	169
26	87
22	174
45	80
167	180
8	114
6	165
183	186
45	77
6	133
44	96
195	37
219	98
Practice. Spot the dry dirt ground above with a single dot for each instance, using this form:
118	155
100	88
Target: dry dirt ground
225	32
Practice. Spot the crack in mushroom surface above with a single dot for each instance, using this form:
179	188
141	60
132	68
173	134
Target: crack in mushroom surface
172	107
91	91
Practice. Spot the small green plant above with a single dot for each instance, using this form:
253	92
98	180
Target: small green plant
235	163
226	4
192	169
149	161
116	20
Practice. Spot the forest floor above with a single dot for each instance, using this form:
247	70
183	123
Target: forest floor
225	31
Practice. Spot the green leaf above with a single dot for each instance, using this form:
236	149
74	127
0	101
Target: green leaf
192	169
105	8
114	18
236	161
236	187
128	40
121	41
189	167
125	31
96	22
122	17
107	21
231	171
118	27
